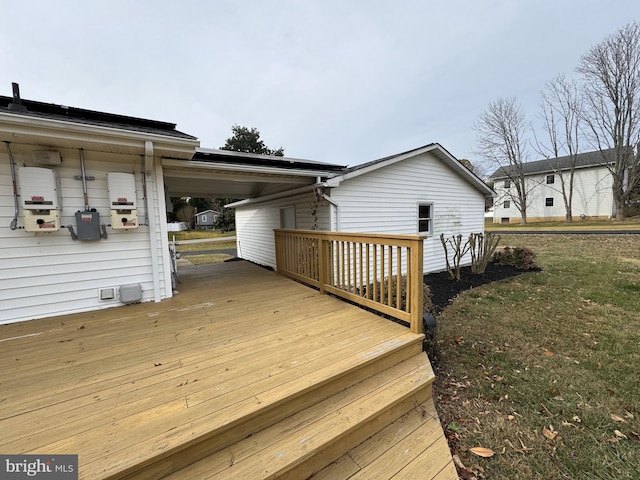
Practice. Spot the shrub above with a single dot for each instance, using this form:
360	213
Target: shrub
519	257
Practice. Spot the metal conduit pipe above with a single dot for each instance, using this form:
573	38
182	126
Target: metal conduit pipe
14	222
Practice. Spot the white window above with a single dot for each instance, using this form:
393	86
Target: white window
425	216
203	219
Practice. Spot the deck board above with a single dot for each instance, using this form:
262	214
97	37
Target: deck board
117	382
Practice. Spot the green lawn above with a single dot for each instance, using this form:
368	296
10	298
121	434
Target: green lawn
544	368
628	224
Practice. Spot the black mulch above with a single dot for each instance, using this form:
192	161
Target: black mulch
444	290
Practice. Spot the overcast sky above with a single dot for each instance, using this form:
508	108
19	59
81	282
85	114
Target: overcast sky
335	81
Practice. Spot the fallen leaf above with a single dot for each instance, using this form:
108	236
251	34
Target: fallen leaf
612	440
577	419
458	339
619	434
634	435
511	417
551	435
617	418
482	452
547	353
458	462
628	415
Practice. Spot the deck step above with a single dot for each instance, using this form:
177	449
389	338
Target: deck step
261	410
308	440
411	447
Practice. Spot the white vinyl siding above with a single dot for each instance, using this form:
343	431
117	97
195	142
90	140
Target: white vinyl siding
47	274
255	225
384	201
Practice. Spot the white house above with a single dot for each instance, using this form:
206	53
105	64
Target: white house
83	201
592	193
55	260
423	191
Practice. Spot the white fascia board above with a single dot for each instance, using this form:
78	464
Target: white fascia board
231	167
47	127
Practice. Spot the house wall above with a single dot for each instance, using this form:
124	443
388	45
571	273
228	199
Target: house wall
592	197
386	201
47	274
255	225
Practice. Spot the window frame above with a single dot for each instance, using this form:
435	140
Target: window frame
428	219
548	202
507	183
506	204
551	179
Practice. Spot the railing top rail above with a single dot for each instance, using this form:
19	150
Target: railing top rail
324	233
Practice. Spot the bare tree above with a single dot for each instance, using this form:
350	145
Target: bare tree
500	134
561	109
611	75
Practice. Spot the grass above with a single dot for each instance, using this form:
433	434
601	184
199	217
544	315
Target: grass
198	234
543	368
632	223
207	258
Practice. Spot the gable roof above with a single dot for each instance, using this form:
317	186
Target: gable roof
205	212
596	158
434	148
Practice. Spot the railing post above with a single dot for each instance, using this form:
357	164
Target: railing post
322	263
416	279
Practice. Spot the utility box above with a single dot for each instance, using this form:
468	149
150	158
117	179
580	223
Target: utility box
88	225
122	200
130	293
40	199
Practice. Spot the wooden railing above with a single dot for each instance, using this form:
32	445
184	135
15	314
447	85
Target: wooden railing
378	271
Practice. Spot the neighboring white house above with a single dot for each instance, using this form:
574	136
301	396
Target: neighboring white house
592	193
206	220
423	191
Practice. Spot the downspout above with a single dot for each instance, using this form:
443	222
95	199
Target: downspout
335	204
14	222
153	244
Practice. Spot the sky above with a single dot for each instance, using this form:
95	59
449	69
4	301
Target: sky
340	81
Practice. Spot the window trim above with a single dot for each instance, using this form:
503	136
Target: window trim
507	184
548	202
551	177
506	204
429	219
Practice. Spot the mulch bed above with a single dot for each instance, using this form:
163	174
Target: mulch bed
444	290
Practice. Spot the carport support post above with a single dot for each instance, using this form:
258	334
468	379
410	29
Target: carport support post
150	174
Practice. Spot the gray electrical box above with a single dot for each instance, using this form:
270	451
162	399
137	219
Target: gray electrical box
88	224
130	293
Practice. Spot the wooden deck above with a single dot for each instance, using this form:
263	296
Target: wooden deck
243	374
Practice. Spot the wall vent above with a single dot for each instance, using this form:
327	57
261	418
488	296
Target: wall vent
107	294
